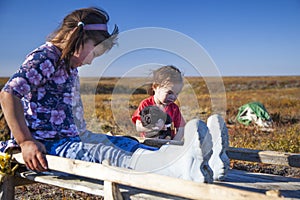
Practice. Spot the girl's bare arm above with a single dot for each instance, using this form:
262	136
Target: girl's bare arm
32	150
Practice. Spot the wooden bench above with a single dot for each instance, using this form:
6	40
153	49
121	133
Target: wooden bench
118	183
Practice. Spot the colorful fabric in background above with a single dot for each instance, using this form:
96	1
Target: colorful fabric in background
9	144
254	113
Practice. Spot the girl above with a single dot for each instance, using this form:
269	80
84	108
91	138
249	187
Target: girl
167	84
41	101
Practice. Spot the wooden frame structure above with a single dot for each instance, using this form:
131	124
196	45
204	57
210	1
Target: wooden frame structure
118	183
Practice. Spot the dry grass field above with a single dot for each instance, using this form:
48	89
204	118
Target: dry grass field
109	103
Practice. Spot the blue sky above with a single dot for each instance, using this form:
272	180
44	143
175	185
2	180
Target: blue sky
242	37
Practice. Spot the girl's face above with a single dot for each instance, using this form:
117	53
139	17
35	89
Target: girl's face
87	54
167	94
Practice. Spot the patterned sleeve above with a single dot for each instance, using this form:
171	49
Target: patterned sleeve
34	71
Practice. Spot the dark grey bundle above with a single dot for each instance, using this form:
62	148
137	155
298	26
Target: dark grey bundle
150	116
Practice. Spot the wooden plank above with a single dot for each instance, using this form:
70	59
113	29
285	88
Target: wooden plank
19	181
91	186
147	181
255	182
154	141
64	180
262	183
268	157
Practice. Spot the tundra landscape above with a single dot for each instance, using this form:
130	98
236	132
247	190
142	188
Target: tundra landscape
109	103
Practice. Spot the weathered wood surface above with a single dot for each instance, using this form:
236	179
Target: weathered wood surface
268	157
149	181
244	181
261	183
7	188
91	186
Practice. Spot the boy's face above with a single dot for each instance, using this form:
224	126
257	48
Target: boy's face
167	94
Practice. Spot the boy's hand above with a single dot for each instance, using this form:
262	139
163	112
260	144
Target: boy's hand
159	125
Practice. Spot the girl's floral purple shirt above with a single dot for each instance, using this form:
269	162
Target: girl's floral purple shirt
50	96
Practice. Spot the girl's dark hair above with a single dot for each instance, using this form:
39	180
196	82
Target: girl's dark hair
164	75
74	36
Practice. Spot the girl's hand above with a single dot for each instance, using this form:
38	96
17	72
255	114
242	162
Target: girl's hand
34	155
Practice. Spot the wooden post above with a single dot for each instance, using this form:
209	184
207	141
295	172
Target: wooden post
7	187
111	191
